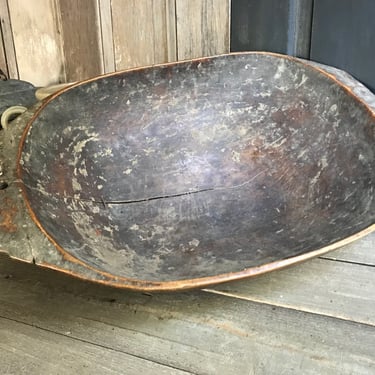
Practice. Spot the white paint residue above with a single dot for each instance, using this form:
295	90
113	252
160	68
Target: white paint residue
236	156
303	80
323	162
280	69
194	242
76	185
333	108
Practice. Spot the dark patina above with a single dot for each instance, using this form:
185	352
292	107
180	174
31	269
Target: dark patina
188	174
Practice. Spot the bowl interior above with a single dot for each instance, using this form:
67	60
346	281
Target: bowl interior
200	168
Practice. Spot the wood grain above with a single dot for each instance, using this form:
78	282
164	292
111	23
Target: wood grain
319	286
202	27
361	252
66	40
37	41
196	332
106	35
3	61
8	54
145	36
164	23
81	38
25	349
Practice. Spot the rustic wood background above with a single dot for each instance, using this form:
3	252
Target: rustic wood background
51	41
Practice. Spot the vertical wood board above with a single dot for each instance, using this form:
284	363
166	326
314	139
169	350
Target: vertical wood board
202	27
3	61
106	35
164	24
8	51
132	34
143	32
37	41
81	38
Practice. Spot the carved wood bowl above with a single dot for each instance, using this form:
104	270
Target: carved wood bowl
189	174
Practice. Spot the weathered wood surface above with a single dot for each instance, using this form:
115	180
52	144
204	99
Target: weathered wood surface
81	37
46	314
321	286
65	40
37	41
146	35
25	349
106	35
201	184
3	60
7	41
202	27
361	252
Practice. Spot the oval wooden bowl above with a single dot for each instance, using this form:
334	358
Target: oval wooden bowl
189	174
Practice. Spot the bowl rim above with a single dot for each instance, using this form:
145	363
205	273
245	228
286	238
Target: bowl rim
134	284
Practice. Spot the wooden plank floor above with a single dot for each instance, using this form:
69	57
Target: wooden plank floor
314	318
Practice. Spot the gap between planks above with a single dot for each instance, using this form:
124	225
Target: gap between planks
198	332
46	351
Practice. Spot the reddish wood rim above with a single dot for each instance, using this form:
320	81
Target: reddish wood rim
145	285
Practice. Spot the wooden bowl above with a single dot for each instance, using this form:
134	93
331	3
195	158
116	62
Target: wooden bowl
189	174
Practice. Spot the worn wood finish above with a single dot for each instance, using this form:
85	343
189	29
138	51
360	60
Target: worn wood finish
28	350
37	41
81	38
3	60
164	22
146	35
220	184
202	28
196	332
106	35
69	40
7	41
346	297
360	252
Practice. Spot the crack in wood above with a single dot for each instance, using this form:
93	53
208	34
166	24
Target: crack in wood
154	198
102	201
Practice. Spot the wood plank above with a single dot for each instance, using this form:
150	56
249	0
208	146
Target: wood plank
319	286
37	41
164	23
3	61
146	35
28	350
361	251
235	336
106	35
81	38
7	40
202	27
133	35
